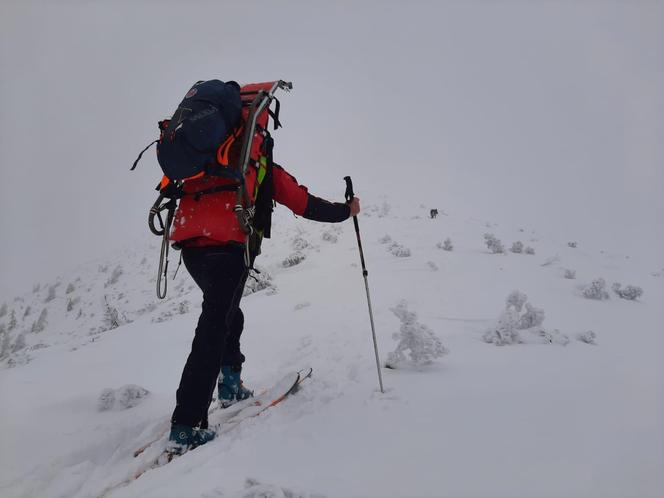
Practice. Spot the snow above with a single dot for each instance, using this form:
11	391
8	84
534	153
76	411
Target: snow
578	419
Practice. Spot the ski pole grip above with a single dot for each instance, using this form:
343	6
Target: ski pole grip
349	189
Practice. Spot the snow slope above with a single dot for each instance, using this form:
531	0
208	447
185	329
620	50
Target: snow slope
533	419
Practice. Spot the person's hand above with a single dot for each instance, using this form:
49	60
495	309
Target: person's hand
354	206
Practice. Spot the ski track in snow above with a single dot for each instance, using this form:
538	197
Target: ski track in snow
519	420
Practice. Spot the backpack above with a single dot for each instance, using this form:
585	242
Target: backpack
220	130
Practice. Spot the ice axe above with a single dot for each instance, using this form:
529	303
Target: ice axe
365	274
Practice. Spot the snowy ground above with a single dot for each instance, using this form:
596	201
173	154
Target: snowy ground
540	418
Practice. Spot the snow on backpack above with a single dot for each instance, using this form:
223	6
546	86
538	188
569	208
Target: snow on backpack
218	130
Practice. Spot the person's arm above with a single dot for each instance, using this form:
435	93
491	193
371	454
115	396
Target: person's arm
297	198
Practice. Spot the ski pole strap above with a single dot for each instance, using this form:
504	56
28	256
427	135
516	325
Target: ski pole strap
141	155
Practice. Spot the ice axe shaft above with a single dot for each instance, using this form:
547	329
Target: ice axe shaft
349	197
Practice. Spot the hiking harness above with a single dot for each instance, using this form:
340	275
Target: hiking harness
254	218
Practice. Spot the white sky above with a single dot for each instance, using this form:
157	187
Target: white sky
547	114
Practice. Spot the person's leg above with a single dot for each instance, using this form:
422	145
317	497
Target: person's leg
220	273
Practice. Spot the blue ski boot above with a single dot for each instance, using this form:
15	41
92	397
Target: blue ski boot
186	437
230	387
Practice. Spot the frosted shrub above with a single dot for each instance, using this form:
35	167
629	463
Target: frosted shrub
504	331
385	239
533	317
515	326
51	293
71	302
493	244
111	318
258	282
70	288
3	310
417	345
5	344
572	245
12	321
294	259
629	292
596	290
398	250
115	275
299	243
529	250
125	397
516	300
570	274
588	337
19	343
27	312
446	245
517	247
40	324
183	307
329	237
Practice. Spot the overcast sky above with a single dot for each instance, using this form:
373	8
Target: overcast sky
547	114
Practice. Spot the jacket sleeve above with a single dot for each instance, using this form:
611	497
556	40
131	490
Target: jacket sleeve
297	198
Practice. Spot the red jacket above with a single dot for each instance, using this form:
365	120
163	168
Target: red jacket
211	220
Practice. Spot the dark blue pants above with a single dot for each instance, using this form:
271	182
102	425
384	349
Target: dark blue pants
220	272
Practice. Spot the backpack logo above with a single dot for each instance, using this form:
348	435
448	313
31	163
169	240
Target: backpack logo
191	93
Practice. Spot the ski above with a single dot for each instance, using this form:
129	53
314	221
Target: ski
222	420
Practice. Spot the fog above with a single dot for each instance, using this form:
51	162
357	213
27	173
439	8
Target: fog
543	114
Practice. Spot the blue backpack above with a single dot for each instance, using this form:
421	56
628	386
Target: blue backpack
209	113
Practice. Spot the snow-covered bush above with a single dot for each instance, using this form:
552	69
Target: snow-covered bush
12	321
533	317
19	343
300	243
257	282
5	342
27	312
40	324
588	337
570	274
3	310
517	247
183	307
123	398
115	275
417	345
71	302
630	292
529	250
432	266
596	290
398	250
50	296
446	245
111	319
102	268
70	288
330	237
515	326
516	299
493	244
294	259
385	239
572	245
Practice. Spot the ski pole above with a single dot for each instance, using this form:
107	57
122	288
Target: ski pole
365	273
